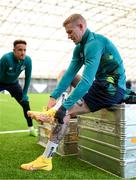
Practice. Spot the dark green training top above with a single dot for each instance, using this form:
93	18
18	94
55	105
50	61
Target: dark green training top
10	69
101	61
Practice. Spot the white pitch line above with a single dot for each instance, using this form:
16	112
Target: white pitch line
16	131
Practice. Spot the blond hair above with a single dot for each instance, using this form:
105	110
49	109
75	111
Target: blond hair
74	18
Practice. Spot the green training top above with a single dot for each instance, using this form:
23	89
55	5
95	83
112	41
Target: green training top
101	61
10	69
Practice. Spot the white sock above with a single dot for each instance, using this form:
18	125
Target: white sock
50	149
31	128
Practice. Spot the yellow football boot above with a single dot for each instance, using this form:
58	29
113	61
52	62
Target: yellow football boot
45	116
41	163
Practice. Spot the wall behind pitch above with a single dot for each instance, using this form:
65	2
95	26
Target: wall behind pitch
40	85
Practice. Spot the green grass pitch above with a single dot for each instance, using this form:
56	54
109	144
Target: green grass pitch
18	148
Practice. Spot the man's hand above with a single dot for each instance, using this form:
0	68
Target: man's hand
60	114
51	103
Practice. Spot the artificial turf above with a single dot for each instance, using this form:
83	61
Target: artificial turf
18	148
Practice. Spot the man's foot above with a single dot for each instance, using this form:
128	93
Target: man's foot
34	114
45	116
41	163
33	132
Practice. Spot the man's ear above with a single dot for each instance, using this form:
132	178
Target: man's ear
81	27
13	49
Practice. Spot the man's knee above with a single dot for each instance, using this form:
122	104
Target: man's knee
60	75
75	81
79	108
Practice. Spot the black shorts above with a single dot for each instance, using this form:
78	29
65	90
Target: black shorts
103	95
14	89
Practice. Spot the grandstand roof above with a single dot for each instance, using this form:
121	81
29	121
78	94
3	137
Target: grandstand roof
39	22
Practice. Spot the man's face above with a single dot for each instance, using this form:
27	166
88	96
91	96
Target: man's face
20	51
75	32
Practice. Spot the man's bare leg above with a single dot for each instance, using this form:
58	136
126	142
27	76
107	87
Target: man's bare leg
59	131
57	134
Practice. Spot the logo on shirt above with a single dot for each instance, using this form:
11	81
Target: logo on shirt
81	56
10	68
22	67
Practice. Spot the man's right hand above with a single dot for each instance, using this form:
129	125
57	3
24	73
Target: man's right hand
51	103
